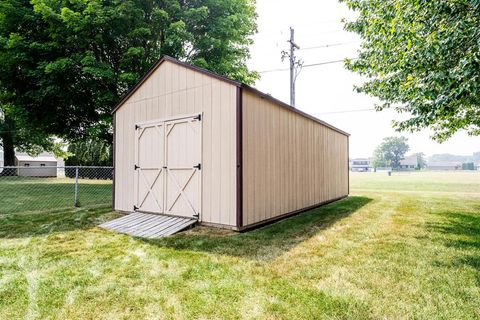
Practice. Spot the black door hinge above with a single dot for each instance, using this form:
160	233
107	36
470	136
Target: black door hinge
197	215
137	127
198	166
199	117
135	208
136	167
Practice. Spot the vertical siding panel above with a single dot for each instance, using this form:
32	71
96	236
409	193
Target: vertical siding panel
119	162
249	171
207	152
191	92
290	162
265	151
216	156
225	157
129	153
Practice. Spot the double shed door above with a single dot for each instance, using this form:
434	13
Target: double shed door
168	167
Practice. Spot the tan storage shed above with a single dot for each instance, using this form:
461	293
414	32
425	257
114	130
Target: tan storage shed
191	143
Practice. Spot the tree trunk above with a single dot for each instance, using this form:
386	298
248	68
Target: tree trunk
8	149
8	144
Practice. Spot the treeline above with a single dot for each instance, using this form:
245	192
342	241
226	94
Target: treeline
475	157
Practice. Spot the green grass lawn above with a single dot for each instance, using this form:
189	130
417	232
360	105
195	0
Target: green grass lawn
33	194
406	246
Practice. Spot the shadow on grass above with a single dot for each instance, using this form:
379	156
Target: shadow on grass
268	242
460	231
17	225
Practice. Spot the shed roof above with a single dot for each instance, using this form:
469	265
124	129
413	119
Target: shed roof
39	158
164	58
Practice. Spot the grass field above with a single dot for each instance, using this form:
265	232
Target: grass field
33	194
406	246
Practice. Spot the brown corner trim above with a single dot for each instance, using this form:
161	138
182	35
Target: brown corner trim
286	215
239	116
348	165
113	160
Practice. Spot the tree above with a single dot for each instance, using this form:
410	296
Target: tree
64	64
421	58
392	150
379	159
421	162
90	153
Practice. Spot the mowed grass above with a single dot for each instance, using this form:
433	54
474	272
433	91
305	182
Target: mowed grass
391	250
42	195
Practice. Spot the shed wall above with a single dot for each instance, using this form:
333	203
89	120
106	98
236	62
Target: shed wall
173	90
50	169
290	162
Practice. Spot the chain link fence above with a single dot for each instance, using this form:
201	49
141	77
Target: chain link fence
43	188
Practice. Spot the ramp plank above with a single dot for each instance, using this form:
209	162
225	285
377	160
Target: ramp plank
146	225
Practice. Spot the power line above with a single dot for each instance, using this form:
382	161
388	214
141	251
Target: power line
345	111
269	33
326	62
307	65
329	45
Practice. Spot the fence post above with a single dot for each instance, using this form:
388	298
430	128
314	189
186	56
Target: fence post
76	187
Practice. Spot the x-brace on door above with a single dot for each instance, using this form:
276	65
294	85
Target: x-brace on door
168	158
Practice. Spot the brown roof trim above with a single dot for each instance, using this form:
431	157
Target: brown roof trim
289	107
221	78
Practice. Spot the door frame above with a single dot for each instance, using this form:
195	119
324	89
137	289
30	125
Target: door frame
200	172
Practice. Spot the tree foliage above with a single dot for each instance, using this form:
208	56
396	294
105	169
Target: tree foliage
379	160
64	64
89	153
391	151
421	162
422	58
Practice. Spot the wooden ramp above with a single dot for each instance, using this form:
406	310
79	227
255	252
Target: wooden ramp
146	225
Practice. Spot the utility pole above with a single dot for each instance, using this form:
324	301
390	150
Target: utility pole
295	65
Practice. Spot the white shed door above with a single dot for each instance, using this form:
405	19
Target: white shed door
168	167
149	185
183	164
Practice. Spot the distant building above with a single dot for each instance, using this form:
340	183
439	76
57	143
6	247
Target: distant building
33	166
444	165
360	165
410	163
